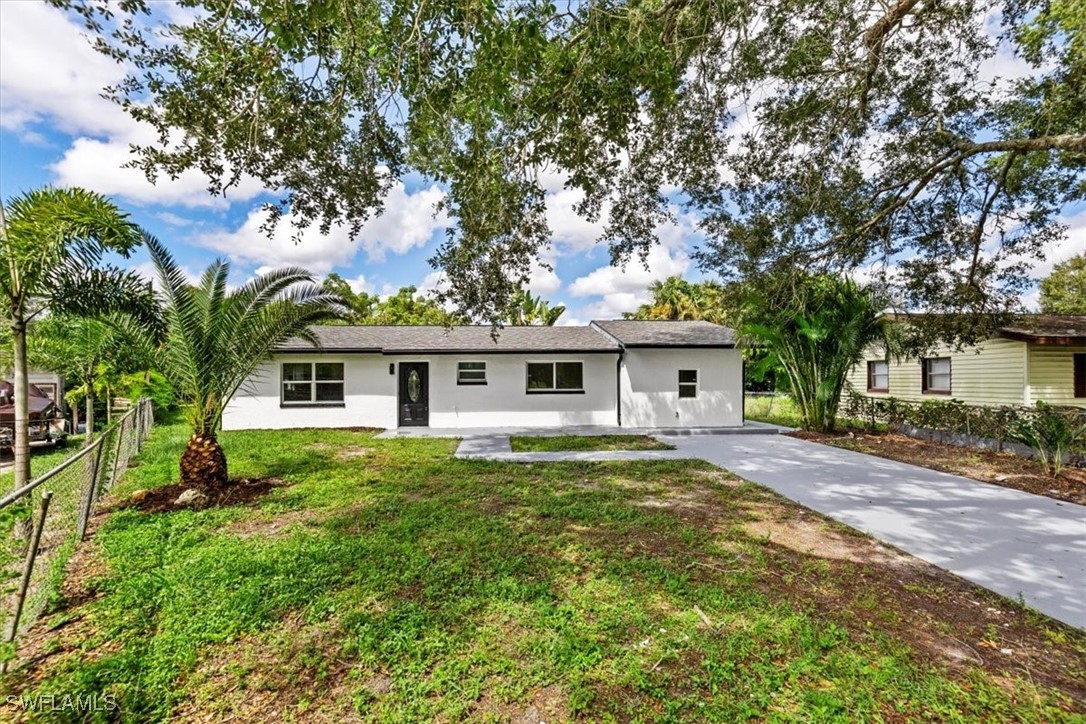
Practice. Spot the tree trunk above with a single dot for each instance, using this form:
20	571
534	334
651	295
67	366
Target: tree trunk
75	419
89	416
22	404
203	464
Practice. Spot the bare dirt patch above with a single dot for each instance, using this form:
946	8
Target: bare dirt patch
547	704
998	468
294	669
238	492
341	452
815	536
270	526
865	585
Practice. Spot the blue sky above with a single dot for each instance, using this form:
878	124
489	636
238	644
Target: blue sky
56	129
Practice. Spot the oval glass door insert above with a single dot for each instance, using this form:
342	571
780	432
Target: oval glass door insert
414	385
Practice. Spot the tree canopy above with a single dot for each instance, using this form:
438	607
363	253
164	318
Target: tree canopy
677	298
822	136
1064	290
406	306
815	328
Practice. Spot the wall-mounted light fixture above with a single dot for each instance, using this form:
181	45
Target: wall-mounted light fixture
392	368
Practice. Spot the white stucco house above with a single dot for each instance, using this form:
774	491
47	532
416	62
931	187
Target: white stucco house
617	373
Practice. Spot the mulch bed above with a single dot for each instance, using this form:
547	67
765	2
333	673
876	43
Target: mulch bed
998	468
238	492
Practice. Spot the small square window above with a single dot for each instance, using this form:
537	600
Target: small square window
471	373
878	376
569	376
688	383
540	376
936	378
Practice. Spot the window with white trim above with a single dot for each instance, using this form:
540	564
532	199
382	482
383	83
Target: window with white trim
545	377
471	373
312	383
688	383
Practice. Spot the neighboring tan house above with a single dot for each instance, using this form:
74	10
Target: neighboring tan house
630	373
1040	358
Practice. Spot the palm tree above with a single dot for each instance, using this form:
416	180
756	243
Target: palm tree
676	298
218	336
51	244
526	310
815	328
92	353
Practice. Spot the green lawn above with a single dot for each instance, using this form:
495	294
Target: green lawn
776	410
43	458
560	443
394	582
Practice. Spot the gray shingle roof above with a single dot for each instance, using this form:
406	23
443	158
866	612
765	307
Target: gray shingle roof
414	339
1064	327
663	333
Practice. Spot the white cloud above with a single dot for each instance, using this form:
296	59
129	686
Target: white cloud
1072	244
543	281
249	244
50	73
360	284
407	222
622	289
100	165
173	219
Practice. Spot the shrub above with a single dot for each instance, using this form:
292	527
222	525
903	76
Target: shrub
1053	433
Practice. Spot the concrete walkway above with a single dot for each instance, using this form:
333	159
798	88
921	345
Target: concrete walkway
1013	543
1017	544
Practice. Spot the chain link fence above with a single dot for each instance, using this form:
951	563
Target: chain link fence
41	523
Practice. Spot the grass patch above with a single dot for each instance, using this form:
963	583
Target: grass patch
782	410
562	443
43	458
406	585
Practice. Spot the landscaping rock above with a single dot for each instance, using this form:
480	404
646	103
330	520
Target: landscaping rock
192	497
139	496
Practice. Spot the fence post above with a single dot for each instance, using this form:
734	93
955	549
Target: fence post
88	494
117	449
28	569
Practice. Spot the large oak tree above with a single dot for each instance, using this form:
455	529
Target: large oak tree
828	135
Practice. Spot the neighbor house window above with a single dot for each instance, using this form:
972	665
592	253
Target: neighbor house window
937	375
555	377
688	383
1080	374
471	373
312	383
878	376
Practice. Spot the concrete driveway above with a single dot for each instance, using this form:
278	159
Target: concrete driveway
1014	543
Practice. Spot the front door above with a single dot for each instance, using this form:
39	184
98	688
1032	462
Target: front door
414	394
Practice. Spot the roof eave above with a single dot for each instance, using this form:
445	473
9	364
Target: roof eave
1061	340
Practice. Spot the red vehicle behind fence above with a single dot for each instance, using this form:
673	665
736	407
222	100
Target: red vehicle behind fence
47	423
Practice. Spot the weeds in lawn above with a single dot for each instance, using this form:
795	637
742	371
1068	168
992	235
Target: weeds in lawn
404	584
560	443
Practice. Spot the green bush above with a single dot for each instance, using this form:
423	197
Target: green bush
1044	428
1053	433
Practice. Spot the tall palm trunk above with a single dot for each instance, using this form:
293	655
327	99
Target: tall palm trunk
22	402
89	416
203	464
